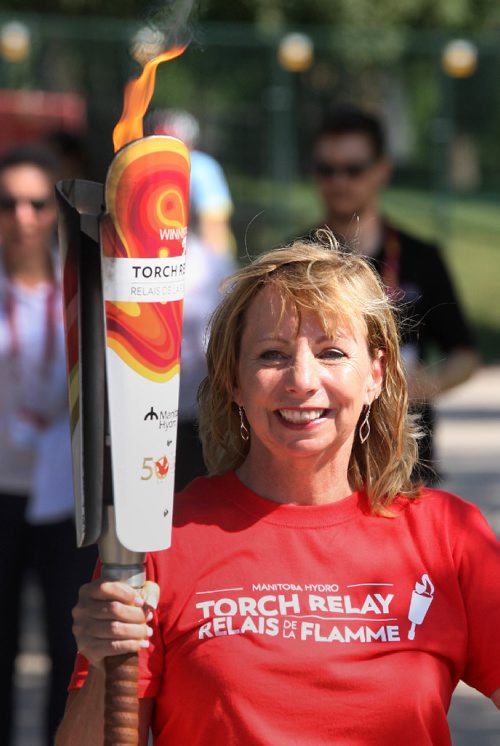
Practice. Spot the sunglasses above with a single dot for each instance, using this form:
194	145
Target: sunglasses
9	204
351	170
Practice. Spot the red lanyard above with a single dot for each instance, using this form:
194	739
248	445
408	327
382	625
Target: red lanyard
50	330
391	261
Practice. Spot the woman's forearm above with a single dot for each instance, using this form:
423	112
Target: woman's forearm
83	721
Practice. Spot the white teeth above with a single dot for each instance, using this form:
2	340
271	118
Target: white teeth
301	415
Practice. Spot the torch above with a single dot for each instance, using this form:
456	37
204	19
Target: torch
123	256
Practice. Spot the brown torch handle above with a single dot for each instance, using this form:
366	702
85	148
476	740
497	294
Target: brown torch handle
121	704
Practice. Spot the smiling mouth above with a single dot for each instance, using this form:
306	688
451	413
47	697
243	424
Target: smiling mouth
301	416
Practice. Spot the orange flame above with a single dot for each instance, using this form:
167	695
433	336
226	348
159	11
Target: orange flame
137	95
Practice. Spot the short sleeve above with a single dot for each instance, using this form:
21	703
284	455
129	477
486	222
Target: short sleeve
479	577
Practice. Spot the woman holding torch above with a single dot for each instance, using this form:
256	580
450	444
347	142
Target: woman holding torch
312	594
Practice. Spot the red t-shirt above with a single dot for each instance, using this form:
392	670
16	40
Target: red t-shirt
282	624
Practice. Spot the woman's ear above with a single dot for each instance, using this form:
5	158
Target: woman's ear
377	374
236	394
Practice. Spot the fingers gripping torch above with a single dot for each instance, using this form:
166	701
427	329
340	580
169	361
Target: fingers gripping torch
123	256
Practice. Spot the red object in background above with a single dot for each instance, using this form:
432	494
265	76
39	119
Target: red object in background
26	116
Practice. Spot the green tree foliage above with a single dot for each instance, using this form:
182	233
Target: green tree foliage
412	14
471	15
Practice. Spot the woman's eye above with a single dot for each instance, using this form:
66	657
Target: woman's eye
272	355
332	354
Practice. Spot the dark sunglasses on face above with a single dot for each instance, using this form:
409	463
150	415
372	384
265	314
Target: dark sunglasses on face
9	204
351	170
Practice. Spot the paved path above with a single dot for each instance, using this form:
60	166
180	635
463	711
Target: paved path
469	446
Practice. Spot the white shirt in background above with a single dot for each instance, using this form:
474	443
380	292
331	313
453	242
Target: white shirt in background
34	462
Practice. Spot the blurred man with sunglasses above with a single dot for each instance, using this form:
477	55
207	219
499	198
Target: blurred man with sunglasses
36	492
351	167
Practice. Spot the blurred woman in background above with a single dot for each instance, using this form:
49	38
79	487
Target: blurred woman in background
36	492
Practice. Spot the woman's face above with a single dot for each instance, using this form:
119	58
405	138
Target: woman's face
302	391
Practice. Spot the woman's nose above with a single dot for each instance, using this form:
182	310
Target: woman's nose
303	374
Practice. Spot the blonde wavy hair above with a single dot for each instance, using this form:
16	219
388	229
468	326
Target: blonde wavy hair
335	285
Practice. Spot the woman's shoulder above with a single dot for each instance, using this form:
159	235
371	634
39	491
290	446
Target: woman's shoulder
442	509
203	495
430	500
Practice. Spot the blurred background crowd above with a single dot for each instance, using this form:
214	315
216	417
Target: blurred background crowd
258	82
259	76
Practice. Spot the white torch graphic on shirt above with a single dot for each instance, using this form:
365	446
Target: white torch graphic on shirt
421	599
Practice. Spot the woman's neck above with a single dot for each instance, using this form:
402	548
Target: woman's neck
298	481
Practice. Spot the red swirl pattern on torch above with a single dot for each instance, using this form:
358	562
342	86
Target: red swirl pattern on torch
147	193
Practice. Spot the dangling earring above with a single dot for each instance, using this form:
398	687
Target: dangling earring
364	430
244	431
